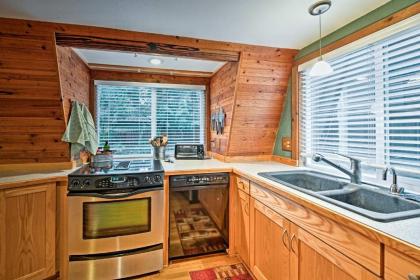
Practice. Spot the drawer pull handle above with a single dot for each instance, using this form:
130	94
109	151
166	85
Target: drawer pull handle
247	209
286	235
291	243
412	276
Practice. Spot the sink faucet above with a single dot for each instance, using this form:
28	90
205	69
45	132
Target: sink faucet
355	172
394	189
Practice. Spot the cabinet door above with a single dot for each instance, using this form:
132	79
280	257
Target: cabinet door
242	226
270	255
399	266
313	259
27	232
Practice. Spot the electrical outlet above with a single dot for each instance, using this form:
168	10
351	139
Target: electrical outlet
286	144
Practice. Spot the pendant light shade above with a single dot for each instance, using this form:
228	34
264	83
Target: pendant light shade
321	67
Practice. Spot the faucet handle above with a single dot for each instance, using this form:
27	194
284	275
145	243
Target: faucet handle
352	159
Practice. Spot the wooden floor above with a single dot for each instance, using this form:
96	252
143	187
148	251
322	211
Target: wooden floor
179	270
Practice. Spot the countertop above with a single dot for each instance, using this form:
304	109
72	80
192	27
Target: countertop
406	231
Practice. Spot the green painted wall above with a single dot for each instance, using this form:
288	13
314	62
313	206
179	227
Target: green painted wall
382	12
285	126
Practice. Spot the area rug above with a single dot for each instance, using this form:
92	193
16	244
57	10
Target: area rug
226	272
197	232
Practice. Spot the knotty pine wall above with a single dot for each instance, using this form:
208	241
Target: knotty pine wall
33	107
31	111
74	79
222	94
253	101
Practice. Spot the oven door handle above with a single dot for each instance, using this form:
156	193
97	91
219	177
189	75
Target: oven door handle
115	195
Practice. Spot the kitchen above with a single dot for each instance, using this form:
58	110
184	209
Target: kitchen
189	146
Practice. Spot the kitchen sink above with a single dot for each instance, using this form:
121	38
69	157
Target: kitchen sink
370	201
307	180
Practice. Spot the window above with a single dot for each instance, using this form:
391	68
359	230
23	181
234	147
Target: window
368	108
129	114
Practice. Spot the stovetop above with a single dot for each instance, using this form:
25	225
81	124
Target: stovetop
136	174
119	167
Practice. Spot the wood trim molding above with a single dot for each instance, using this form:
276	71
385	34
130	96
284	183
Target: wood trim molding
103	43
147	78
381	24
285	160
247	158
149	70
295	113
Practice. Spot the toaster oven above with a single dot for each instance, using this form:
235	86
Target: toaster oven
189	151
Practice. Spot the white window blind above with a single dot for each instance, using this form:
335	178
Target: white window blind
369	107
129	115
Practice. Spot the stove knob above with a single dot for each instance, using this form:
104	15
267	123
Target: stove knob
86	183
157	179
75	183
147	179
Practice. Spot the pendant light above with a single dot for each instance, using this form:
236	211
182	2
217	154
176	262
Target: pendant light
321	67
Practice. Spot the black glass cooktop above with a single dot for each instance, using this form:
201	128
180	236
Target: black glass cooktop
122	167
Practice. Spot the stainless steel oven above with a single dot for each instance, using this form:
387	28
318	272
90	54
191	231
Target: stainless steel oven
116	225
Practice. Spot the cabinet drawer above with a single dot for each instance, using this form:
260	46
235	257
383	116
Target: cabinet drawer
399	266
242	184
349	242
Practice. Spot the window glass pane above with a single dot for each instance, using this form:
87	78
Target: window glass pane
124	118
179	114
128	116
107	219
369	108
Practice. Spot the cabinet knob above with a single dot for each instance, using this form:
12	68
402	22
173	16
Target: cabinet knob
412	276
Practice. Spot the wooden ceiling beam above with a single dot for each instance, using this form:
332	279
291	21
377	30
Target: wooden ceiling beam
126	45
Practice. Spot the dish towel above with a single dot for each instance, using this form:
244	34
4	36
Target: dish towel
80	131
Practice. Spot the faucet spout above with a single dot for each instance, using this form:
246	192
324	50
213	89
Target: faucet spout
355	172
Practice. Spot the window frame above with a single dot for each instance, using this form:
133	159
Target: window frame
205	111
410	182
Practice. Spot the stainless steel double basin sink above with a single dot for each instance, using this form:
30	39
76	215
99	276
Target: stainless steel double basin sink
368	200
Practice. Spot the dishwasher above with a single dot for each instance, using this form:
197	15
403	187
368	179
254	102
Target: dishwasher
199	214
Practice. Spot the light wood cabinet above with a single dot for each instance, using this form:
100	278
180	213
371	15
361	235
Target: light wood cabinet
311	259
27	232
282	250
241	224
400	267
269	249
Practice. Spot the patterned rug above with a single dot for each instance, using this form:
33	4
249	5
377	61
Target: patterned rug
228	272
197	232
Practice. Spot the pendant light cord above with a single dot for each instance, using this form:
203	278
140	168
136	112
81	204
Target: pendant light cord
320	37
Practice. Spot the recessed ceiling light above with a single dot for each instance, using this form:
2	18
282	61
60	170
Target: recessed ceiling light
155	61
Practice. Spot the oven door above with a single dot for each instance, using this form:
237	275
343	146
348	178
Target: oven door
102	223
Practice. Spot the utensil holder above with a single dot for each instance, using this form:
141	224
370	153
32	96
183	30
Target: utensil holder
159	153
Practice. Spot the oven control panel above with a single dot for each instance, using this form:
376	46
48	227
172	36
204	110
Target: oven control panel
199	179
121	181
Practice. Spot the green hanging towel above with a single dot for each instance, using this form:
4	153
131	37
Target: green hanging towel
80	131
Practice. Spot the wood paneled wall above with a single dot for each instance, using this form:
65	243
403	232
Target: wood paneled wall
222	94
74	78
31	111
253	101
32	114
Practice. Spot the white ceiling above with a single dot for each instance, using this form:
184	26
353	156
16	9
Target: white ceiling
277	23
142	60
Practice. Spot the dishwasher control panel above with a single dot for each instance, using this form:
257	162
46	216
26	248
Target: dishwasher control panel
198	179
